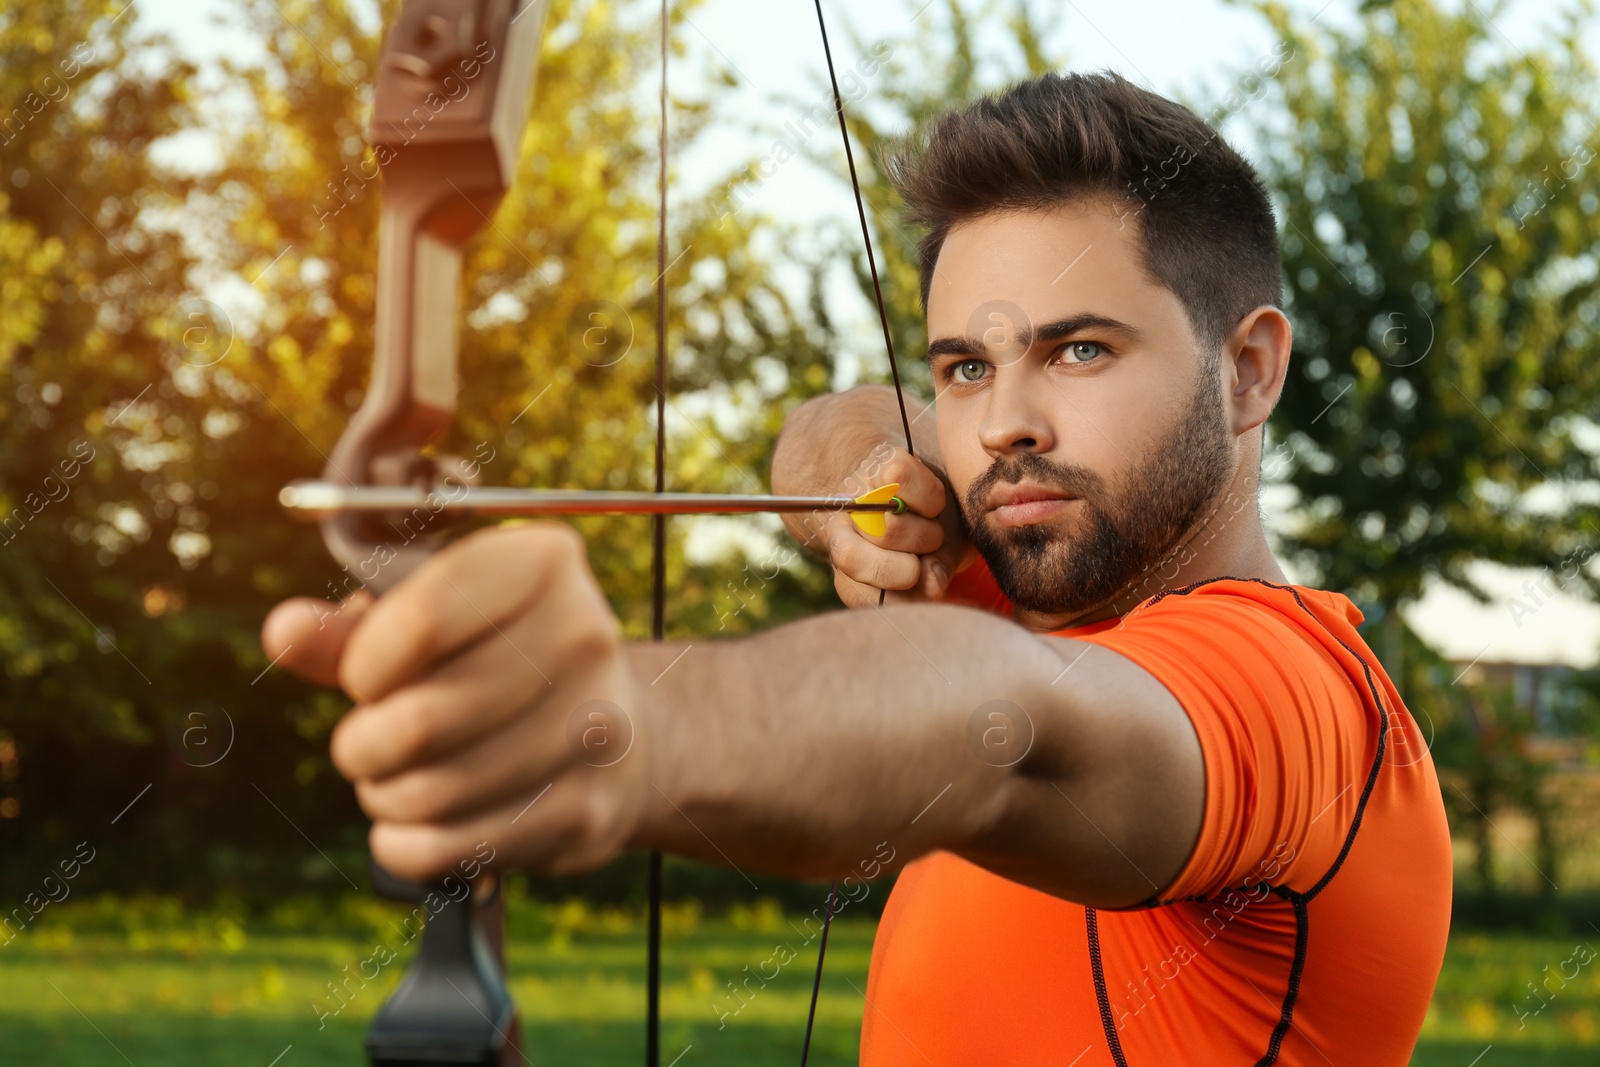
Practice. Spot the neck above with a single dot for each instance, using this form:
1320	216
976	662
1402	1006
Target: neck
1229	542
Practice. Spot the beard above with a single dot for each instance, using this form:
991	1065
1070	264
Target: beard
1126	532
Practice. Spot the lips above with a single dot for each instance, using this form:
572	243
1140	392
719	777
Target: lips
1024	504
1011	495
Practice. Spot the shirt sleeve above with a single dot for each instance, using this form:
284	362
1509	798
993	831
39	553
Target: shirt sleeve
1285	728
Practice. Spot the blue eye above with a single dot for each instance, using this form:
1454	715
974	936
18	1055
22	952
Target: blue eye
1084	351
970	370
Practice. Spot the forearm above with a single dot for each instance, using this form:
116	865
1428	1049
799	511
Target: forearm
829	438
800	751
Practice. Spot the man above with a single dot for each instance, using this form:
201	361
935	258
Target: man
1164	806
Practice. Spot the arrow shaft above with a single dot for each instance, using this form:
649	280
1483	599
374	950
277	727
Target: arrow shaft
313	501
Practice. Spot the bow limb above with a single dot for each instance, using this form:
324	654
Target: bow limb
451	101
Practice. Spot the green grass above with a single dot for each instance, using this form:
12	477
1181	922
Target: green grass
182	997
206	992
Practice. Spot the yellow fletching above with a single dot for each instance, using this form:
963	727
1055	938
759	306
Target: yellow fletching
874	523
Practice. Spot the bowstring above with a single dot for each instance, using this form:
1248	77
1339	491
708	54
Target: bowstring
658	542
866	231
905	423
816	983
658	553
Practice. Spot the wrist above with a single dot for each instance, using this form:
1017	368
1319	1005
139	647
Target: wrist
664	726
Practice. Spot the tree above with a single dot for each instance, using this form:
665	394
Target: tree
88	413
1437	191
243	299
942	64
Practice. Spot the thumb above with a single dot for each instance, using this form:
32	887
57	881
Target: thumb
307	636
941	566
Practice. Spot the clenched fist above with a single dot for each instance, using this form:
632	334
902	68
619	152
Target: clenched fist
920	550
494	702
851	442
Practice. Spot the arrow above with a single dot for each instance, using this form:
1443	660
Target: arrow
312	501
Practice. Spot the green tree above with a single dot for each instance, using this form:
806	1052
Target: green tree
1438	190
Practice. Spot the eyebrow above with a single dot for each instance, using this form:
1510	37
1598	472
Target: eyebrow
1088	320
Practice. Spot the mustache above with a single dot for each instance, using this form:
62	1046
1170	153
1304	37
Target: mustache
1025	466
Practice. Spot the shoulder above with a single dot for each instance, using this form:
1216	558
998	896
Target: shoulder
1288	703
1231	624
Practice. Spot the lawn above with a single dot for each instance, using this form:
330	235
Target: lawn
181	990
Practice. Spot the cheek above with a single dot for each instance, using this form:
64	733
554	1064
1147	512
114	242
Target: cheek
1113	424
959	444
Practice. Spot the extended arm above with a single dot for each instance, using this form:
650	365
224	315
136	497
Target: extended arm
799	751
482	679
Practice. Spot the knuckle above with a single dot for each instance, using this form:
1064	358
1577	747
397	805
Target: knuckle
411	798
896	468
342	750
596	639
589	628
849	554
412	725
421	631
891	571
558	539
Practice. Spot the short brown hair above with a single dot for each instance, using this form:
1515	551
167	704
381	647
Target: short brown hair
1205	221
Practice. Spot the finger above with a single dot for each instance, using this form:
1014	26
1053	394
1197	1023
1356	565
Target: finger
475	693
569	730
307	636
854	594
572	827
907	533
921	489
454	599
859	558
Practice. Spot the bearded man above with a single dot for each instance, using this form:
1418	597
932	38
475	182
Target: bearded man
1154	802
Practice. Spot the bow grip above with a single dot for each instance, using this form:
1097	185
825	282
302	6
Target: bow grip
452	1007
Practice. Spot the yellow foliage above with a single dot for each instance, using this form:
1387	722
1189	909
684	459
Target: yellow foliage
284	349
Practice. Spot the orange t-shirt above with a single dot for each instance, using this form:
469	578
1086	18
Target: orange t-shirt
1306	928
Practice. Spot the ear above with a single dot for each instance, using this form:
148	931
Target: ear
1255	360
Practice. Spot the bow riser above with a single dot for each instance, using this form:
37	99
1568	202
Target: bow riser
451	102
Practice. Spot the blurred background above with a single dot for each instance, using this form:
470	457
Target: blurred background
187	245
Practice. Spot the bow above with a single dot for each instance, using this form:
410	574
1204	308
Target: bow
384	502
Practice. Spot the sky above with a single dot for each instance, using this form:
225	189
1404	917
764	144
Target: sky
1191	49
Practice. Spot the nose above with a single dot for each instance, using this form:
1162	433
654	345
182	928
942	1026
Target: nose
1018	415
